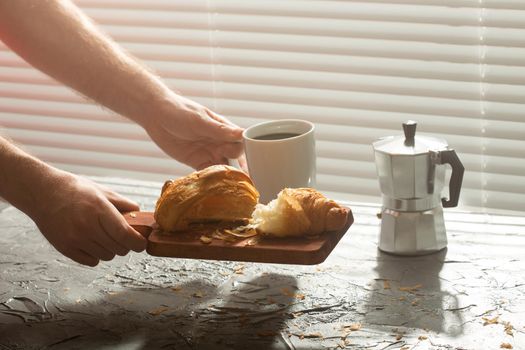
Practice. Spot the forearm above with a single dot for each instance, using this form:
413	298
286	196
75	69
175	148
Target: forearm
23	178
55	37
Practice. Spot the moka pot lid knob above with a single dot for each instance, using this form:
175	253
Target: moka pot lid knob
409	143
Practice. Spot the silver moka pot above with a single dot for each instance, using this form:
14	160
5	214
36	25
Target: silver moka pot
411	171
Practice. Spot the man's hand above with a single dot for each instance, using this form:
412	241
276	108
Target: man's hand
88	61
78	217
82	221
194	135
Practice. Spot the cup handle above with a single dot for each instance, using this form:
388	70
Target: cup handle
456	178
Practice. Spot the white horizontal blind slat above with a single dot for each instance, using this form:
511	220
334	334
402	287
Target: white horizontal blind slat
129	162
357	69
80	126
77	141
384	11
160	5
348	46
322	61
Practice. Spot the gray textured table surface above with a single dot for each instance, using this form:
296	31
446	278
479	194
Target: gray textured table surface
469	297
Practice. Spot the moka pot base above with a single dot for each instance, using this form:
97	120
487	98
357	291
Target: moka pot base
412	233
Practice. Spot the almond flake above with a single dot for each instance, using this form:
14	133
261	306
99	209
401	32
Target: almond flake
158	311
198	294
205	239
251	242
508	328
353	327
386	284
239	269
410	289
494	320
244	234
309	335
223	237
299	296
313	335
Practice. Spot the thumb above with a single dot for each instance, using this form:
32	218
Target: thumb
122	203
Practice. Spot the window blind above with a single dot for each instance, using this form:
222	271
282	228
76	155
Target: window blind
357	69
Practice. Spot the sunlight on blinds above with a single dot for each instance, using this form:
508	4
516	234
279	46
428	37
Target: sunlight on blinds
357	69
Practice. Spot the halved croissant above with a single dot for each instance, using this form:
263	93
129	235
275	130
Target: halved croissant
220	195
298	212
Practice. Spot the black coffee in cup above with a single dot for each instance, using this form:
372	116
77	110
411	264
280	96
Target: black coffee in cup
277	136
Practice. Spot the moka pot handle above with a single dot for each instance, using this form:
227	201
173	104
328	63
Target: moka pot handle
449	156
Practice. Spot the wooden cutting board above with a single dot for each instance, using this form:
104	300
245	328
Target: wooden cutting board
302	251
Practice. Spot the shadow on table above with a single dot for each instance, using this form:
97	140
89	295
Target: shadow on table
242	313
251	317
408	293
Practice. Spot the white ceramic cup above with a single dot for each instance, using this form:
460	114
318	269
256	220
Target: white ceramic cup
283	162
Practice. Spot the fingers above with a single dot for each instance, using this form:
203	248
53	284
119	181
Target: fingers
77	254
116	227
222	129
203	165
97	251
218	154
105	239
86	225
117	235
122	203
83	258
243	163
90	251
220	118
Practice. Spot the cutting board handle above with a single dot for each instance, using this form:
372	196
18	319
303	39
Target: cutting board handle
142	221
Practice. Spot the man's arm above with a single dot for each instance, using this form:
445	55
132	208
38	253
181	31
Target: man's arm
79	218
21	175
57	38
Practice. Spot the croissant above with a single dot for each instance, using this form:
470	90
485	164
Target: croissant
219	195
298	212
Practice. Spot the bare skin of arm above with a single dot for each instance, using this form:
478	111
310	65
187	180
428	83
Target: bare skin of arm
78	217
57	38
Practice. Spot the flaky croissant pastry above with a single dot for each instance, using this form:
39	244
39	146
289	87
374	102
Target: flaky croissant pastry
219	195
298	212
